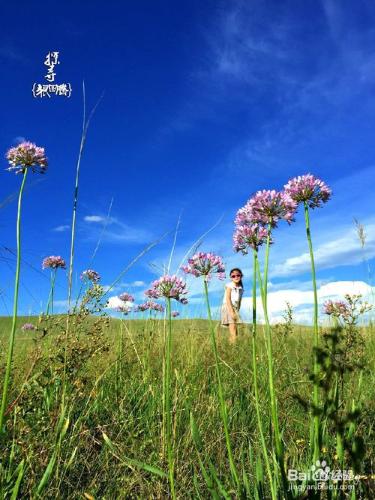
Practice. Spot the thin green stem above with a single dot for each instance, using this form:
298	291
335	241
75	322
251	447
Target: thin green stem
15	308
51	292
317	432
274	411
255	380
266	259
168	348
223	408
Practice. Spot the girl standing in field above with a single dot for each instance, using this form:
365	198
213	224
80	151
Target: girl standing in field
231	303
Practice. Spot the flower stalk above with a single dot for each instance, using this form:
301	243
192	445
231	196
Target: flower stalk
15	307
316	420
255	378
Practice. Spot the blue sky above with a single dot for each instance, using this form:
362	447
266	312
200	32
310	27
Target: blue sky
204	103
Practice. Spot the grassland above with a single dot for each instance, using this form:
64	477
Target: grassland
115	391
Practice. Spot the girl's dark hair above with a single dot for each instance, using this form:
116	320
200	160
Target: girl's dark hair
239	271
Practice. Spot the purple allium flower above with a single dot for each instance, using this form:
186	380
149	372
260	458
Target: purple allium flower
53	262
175	314
337	308
249	236
170	287
309	189
28	327
90	275
149	305
126	297
27	155
205	264
267	207
123	308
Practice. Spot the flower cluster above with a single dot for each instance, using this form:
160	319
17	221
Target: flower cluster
90	275
123	308
53	262
246	236
205	264
267	207
175	314
337	308
170	287
309	189
149	305
126	297
28	327
27	155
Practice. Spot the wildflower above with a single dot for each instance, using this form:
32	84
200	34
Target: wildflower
149	305
308	189
249	236
205	264
53	262
29	327
27	155
170	287
126	297
90	275
338	308
267	207
124	309
175	314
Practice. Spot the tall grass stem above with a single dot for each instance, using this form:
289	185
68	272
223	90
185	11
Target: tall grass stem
223	408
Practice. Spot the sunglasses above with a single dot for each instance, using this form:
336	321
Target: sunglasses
236	275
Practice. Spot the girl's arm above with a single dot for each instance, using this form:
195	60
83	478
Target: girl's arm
228	301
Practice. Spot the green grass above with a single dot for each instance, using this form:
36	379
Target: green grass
123	400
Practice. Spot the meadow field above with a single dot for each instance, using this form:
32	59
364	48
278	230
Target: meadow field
102	405
110	442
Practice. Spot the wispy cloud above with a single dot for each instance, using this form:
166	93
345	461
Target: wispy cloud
94	218
114	230
61	229
11	53
342	251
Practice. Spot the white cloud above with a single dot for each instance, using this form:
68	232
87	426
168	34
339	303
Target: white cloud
343	251
302	300
61	229
94	218
114	302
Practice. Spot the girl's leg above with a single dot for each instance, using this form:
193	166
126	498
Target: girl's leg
232	333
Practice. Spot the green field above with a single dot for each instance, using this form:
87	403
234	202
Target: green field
116	388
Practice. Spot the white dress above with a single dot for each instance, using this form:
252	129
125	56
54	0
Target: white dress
236	293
